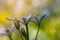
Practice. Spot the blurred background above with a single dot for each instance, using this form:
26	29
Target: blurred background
50	27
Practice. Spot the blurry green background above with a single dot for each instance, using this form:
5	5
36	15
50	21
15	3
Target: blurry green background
50	26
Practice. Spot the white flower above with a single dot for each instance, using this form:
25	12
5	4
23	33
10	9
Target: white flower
38	19
26	19
2	30
12	19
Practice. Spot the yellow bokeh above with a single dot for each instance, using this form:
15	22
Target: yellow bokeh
3	16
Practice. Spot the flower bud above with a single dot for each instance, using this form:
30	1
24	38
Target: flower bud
23	32
17	24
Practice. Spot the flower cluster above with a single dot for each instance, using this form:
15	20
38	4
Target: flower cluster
24	32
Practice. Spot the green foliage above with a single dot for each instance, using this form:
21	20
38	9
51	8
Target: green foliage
16	36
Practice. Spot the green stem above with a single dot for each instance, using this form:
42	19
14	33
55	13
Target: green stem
20	34
27	32
10	37
37	33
